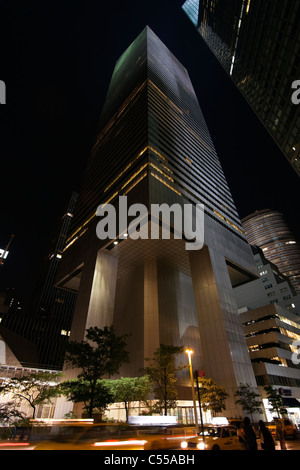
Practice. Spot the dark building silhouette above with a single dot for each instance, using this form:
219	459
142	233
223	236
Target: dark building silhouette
258	44
46	322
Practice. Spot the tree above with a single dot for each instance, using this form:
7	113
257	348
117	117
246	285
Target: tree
128	389
212	396
99	356
248	399
275	400
10	414
79	391
162	373
35	388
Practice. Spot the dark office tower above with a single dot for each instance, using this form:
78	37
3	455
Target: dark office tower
268	230
258	44
154	147
46	322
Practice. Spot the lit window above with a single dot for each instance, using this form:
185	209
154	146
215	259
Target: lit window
65	333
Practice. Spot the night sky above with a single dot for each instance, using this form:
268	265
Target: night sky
56	59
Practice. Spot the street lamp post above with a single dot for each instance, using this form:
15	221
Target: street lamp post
200	409
189	353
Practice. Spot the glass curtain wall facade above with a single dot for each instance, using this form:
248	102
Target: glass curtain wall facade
258	44
150	109
268	230
153	146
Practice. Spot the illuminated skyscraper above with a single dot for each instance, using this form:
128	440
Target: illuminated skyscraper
258	44
154	147
268	230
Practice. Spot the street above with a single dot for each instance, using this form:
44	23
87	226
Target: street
291	445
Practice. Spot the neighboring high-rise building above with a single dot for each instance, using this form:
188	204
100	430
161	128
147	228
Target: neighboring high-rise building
271	332
154	147
271	288
268	230
258	44
46	322
9	301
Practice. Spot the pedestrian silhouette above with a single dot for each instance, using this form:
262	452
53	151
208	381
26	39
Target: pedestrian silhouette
249	435
266	439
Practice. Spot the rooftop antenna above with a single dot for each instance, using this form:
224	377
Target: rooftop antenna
4	251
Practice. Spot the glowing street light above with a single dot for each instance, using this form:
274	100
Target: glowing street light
189	353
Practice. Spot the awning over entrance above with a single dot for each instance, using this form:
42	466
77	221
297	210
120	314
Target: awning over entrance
291	402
